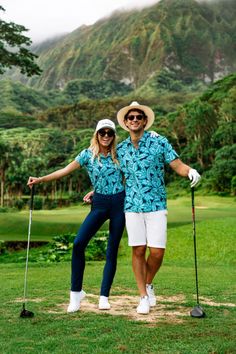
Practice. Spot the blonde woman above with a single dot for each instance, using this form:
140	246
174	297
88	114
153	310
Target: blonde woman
107	204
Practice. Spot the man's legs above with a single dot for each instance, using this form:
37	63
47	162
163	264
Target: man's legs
136	229
140	268
147	228
154	262
156	224
140	272
145	270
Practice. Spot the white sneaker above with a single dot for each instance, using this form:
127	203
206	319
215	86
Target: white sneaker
75	298
103	303
144	306
151	295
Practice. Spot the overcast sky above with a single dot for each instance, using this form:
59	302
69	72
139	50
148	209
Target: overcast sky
46	18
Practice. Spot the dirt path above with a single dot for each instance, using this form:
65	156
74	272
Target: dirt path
168	309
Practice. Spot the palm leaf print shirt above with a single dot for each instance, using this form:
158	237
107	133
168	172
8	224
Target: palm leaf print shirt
105	175
143	168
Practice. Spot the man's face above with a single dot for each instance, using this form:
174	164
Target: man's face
135	121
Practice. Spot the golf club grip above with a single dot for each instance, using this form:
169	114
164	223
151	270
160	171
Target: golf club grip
32	197
192	192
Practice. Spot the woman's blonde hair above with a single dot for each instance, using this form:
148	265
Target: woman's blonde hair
94	147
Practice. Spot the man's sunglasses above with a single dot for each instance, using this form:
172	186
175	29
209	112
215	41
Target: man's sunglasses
132	116
103	133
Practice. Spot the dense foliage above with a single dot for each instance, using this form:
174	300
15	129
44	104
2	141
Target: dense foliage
202	131
13	49
17	99
205	133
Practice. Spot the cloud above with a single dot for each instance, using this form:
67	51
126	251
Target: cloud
45	19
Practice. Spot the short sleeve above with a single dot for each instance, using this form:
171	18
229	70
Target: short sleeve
169	153
83	157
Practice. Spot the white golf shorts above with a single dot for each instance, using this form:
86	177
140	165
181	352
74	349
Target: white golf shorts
147	228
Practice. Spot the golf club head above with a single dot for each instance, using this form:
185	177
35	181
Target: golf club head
26	314
197	312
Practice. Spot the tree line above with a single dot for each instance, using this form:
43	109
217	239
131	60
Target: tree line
202	131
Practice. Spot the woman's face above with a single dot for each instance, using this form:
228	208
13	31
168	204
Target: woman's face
105	137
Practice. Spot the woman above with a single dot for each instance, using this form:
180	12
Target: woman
108	203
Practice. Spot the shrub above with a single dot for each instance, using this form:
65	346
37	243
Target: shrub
96	250
4	209
19	203
233	186
50	204
61	246
3	247
38	203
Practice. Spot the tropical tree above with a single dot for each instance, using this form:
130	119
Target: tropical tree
13	49
223	173
4	163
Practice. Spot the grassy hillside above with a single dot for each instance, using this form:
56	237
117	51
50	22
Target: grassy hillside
16	98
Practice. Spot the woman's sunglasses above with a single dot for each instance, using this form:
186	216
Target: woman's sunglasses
103	133
132	116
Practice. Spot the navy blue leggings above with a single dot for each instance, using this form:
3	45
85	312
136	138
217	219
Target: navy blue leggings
104	207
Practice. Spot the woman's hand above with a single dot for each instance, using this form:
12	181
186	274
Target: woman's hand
33	180
88	197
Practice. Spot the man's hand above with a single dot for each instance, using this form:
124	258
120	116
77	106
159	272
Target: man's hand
194	177
88	197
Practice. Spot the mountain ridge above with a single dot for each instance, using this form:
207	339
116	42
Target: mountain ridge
190	38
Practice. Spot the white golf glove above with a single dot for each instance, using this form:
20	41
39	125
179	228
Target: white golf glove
194	177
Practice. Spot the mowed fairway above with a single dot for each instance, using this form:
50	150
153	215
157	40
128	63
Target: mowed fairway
168	329
45	223
48	223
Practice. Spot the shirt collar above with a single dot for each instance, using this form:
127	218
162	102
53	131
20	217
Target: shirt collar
103	156
141	141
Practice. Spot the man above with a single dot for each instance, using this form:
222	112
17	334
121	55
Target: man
142	158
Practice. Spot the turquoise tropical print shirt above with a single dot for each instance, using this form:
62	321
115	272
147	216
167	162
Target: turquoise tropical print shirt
105	175
143	168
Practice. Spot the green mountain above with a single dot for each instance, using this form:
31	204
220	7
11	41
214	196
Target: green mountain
18	98
192	40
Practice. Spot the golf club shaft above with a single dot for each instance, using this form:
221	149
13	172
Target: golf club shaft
28	244
194	242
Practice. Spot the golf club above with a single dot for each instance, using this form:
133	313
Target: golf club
26	313
197	311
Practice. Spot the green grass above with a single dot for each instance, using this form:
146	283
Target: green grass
86	332
45	223
53	331
48	223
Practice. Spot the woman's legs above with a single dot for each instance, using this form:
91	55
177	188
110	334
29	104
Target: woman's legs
88	229
116	228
